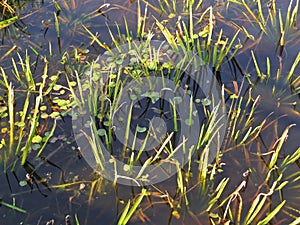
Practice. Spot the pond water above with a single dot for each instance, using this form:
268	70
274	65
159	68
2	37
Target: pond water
60	187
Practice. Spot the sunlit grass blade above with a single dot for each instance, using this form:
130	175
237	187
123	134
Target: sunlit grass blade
31	134
211	25
94	38
280	142
11	117
127	214
141	20
169	37
6	54
57	31
8	22
22	121
294	65
272	214
296	221
217	193
259	74
95	145
290	159
257	204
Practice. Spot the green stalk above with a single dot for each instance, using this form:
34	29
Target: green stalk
125	217
127	128
28	74
11	117
12	207
34	123
24	114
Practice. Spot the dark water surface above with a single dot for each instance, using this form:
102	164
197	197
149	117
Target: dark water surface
93	199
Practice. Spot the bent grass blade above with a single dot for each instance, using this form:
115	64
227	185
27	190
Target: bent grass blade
279	142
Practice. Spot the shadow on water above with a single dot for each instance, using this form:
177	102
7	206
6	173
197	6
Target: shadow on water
59	183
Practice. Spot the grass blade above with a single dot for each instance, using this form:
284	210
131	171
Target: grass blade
125	217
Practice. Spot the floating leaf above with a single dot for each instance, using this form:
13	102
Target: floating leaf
189	122
137	90
53	139
53	78
126	168
72	83
54	114
153	95
141	129
85	51
3	109
101	132
43	108
133	61
20	124
112	84
119	61
44	115
62	102
206	102
37	139
133	97
177	100
109	59
167	65
152	65
171	15
4	130
57	87
36	147
23	183
106	123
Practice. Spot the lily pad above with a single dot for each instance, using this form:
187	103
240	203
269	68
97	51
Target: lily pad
101	132
57	87
36	147
177	100
141	129
37	139
43	108
189	122
20	124
23	183
206	102
3	109
44	115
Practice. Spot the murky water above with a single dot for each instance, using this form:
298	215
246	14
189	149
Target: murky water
95	200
